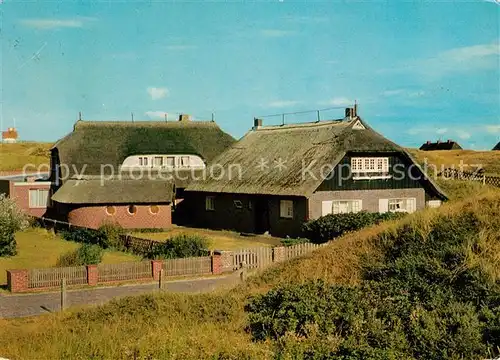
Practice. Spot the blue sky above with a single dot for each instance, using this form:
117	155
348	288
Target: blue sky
419	70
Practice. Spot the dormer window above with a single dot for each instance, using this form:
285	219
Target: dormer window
366	168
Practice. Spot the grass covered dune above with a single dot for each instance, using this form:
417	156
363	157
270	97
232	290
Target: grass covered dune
426	286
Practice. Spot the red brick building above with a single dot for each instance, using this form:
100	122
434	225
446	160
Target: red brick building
30	192
129	173
10	136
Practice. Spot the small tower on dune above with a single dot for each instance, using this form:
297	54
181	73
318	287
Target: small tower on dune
10	135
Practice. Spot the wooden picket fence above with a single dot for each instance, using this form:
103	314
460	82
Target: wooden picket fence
188	266
51	277
138	270
471	176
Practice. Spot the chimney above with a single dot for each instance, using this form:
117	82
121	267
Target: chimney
449	141
184	117
257	123
355	110
349	113
428	142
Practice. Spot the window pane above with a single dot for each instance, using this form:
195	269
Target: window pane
171	161
158	161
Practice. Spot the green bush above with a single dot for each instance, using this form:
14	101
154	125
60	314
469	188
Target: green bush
12	219
85	255
291	242
419	300
330	226
85	236
180	246
110	235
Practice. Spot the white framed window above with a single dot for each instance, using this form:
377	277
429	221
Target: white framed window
38	198
158	161
238	204
401	205
170	161
370	165
145	161
341	206
286	209
184	161
434	203
210	203
140	161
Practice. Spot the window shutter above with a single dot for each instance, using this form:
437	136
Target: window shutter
326	208
383	205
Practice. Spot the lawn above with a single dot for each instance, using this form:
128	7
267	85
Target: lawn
16	156
219	240
38	248
488	160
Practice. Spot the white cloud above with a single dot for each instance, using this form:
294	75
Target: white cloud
282	103
442	131
338	101
157	93
274	33
493	129
462	134
156	114
47	24
403	92
462	59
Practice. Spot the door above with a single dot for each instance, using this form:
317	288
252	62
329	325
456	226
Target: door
261	213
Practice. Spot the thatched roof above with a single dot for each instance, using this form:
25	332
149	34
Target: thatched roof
497	147
96	143
117	190
296	146
441	145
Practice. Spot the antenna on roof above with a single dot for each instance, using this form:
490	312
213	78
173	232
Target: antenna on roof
213	117
132	116
283	119
166	117
79	116
319	117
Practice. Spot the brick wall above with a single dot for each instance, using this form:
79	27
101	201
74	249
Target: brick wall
370	198
19	192
94	216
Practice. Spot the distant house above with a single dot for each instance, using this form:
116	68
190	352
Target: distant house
10	136
497	147
441	145
29	191
277	177
130	173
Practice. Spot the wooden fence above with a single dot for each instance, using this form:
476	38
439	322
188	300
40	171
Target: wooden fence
188	266
471	176
139	270
227	261
51	277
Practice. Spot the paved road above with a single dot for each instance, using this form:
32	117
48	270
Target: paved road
12	306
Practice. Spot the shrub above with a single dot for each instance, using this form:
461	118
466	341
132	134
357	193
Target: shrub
180	246
85	255
110	235
291	242
85	236
12	219
420	298
331	226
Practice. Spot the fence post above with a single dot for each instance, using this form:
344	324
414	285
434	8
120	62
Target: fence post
243	271
484	179
216	263
63	294
160	280
92	275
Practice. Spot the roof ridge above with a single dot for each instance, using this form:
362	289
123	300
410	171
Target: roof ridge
138	123
303	125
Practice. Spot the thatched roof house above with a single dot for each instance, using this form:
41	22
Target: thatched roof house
299	166
102	146
441	145
129	172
